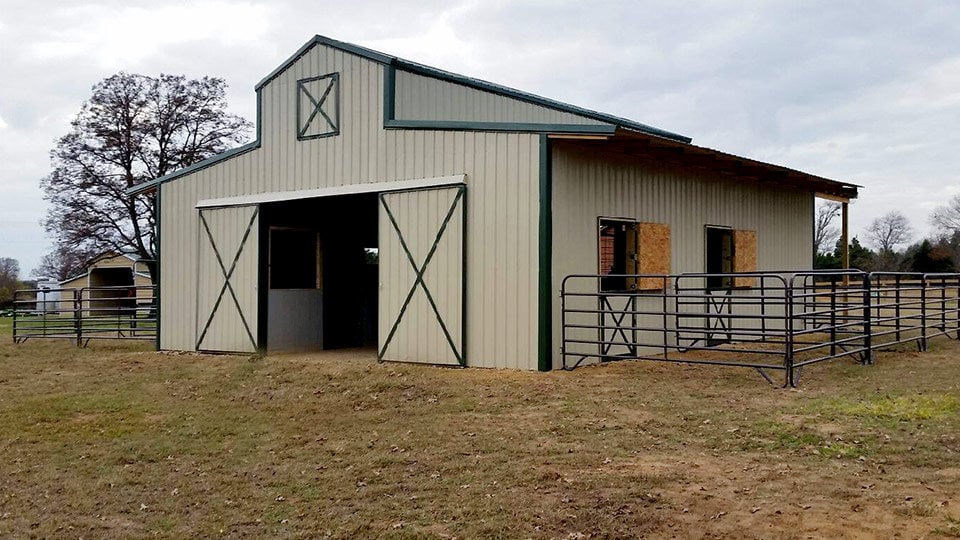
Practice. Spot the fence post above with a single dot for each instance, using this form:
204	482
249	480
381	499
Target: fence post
77	313
896	311
833	315
867	317
923	312
788	346
15	310
666	321
957	307
563	323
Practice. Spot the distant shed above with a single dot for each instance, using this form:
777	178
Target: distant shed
107	270
433	216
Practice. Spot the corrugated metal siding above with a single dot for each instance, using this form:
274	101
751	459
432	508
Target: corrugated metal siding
425	98
588	185
234	236
502	201
419	216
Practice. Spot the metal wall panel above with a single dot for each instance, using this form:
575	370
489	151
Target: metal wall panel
226	283
588	185
424	98
421	231
502	207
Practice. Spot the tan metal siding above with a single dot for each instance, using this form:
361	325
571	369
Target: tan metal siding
425	98
502	201
588	185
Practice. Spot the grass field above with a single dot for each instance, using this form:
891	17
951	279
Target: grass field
118	441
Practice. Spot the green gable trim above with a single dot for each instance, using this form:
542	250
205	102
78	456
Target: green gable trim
323	40
545	255
389	93
213	160
520	127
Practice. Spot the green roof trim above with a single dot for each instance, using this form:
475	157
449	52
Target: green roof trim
213	160
517	127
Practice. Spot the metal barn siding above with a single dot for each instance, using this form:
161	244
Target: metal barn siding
588	185
502	200
425	98
422	276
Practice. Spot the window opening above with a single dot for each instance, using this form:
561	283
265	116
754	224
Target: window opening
294	260
618	244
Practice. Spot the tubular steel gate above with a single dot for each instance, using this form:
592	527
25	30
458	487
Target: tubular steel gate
767	321
83	314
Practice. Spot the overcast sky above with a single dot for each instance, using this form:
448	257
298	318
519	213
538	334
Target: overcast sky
859	91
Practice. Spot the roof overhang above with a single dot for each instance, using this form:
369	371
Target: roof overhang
642	145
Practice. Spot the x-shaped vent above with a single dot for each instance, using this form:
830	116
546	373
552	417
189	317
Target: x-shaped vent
318	106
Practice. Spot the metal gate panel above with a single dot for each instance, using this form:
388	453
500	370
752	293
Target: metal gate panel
421	296
227	275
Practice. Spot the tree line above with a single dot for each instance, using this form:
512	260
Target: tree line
888	242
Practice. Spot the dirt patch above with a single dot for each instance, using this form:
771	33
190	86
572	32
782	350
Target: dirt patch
120	442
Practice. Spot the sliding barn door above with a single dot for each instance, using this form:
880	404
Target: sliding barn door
421	266
227	275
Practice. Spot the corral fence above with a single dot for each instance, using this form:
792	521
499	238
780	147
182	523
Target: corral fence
84	314
767	321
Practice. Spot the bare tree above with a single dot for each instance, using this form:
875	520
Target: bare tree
947	217
825	234
133	129
889	231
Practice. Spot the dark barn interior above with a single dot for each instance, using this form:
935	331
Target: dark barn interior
319	273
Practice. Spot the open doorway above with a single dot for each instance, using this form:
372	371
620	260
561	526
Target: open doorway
320	257
719	256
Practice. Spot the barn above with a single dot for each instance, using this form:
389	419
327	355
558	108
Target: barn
432	216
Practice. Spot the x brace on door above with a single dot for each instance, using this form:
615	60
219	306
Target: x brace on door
420	270
227	274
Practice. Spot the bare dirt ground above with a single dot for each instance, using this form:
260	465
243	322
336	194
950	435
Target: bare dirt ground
117	441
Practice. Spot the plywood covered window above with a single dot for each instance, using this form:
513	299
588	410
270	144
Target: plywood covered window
627	248
729	251
294	259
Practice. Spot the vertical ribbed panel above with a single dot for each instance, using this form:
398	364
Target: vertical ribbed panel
502	201
427	221
588	185
227	322
425	98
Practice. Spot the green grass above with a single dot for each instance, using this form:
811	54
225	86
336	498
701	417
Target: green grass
904	408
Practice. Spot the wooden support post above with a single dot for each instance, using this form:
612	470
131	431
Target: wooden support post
844	236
